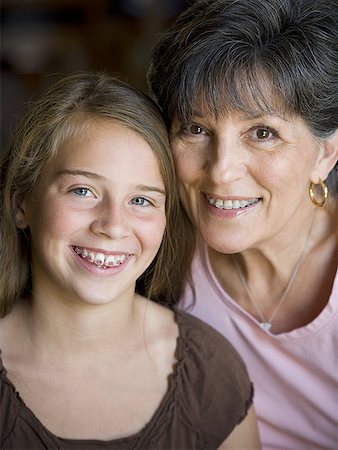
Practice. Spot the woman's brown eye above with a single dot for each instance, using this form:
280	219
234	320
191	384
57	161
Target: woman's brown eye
262	133
195	129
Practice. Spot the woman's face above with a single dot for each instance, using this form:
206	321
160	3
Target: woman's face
244	180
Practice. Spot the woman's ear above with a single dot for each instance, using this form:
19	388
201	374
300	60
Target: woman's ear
327	158
19	210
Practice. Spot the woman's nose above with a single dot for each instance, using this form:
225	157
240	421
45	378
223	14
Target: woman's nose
227	161
111	221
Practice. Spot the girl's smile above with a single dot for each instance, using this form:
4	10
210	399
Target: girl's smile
100	259
99	262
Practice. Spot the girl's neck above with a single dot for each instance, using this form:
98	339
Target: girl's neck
60	328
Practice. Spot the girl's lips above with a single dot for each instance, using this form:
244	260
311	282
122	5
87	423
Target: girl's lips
98	266
100	258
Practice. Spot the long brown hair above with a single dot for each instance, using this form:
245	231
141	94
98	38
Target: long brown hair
61	113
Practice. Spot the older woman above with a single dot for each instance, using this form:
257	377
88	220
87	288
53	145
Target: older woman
248	89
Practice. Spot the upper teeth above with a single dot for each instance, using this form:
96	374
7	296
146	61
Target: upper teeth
231	204
100	259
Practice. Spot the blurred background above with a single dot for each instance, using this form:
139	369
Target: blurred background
44	39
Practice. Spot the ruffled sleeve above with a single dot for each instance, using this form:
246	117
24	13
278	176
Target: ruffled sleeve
8	409
214	389
19	429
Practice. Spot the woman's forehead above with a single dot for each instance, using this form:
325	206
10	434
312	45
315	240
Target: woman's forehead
253	96
248	111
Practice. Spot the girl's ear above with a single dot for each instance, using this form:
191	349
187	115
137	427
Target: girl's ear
327	158
19	210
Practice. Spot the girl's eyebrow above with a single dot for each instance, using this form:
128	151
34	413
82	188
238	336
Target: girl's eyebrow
85	173
144	187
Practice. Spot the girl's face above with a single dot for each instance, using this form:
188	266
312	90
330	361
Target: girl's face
96	217
244	180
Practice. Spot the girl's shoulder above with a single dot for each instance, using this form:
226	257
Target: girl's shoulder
201	339
11	324
213	384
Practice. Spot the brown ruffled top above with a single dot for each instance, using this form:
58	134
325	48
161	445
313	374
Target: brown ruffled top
208	394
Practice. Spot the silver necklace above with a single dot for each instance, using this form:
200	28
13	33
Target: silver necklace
266	323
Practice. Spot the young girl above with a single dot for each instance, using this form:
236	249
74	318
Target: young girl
91	233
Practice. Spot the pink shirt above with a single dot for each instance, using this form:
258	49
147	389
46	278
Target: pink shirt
295	374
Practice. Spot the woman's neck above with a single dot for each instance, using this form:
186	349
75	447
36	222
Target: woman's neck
278	255
281	265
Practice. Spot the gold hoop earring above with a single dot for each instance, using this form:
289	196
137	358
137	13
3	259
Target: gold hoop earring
324	193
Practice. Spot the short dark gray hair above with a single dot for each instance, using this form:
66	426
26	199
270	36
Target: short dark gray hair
251	55
222	52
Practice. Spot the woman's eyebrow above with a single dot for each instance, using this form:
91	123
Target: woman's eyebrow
196	113
250	115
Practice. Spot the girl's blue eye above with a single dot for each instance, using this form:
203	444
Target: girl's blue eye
140	201
83	192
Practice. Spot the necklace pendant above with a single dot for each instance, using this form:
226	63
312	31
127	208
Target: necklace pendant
265	325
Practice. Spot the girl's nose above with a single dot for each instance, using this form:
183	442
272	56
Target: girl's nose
111	221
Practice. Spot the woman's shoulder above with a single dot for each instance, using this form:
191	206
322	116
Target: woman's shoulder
214	387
